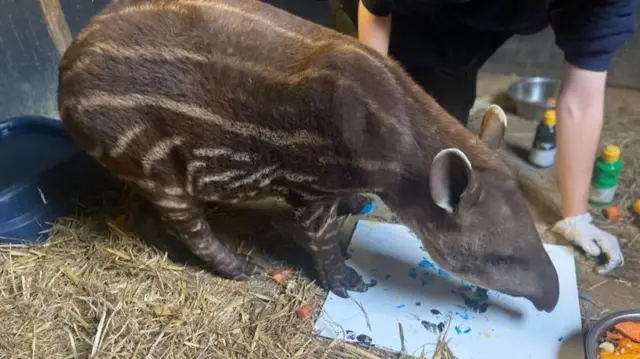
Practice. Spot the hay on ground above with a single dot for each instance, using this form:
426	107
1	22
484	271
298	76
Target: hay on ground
95	291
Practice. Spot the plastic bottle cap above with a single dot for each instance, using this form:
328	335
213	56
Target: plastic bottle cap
636	206
611	153
549	118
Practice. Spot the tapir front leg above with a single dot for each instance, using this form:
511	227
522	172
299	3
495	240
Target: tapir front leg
321	227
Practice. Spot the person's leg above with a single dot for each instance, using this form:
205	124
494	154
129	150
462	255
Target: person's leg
454	91
343	16
441	56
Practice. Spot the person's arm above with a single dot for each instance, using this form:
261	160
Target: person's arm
580	108
590	36
374	24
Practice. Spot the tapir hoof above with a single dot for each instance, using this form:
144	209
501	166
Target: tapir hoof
342	280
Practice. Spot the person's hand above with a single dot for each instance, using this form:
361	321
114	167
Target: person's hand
580	231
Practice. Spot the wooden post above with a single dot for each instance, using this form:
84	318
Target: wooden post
56	24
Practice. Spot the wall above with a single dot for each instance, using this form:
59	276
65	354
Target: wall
33	33
537	55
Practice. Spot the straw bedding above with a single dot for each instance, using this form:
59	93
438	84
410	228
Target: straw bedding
96	290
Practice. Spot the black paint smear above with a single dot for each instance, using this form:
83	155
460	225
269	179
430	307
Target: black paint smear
483	307
433	328
482	294
418	304
440	327
435	312
475	305
373	283
387	276
350	335
364	339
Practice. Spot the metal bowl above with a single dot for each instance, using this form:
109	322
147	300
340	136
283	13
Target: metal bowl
607	322
531	94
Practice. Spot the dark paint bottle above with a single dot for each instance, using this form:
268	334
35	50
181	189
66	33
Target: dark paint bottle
543	150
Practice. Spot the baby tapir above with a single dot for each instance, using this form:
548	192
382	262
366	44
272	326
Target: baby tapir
197	101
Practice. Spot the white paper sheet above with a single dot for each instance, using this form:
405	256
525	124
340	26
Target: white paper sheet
413	291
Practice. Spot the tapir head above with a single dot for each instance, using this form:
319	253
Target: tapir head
482	230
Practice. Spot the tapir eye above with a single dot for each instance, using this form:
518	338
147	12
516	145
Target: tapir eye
500	260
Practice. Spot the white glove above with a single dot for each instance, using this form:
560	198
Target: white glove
581	232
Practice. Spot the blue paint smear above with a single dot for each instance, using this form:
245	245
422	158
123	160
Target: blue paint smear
463	316
462	329
400	306
412	273
424	263
368	207
560	339
426	279
442	273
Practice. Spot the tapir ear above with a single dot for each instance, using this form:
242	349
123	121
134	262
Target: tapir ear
494	126
450	175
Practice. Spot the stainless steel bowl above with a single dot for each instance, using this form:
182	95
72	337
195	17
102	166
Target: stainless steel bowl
606	323
531	94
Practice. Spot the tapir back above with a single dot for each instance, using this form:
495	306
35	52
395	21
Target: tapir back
194	101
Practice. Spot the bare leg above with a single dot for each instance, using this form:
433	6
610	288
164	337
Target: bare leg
321	228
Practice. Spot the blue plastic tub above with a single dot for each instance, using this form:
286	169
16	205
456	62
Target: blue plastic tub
44	175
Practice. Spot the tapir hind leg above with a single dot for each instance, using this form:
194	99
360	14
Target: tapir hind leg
184	217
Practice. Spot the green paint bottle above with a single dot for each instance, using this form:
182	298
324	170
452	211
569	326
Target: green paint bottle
606	172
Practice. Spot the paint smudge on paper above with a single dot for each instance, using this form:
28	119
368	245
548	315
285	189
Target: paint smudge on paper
462	329
433	328
373	283
475	300
464	316
426	278
424	263
442	273
489	334
400	306
418	304
387	276
371	225
350	334
435	312
412	273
